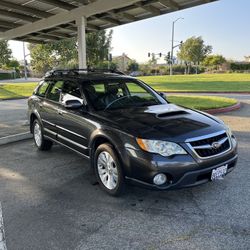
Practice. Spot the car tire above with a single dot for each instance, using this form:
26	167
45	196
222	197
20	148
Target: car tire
108	170
40	142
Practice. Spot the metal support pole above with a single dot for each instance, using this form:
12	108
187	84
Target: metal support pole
81	38
172	46
172	50
24	60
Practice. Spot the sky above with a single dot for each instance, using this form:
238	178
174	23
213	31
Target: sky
223	24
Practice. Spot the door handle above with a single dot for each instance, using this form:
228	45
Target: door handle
60	112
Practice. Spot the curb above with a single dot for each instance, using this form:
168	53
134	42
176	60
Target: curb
14	98
224	110
15	138
207	92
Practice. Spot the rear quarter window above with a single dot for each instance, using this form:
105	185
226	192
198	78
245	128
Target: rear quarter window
42	88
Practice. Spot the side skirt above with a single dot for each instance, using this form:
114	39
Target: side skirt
49	138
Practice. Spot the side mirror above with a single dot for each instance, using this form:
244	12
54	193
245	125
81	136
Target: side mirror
73	104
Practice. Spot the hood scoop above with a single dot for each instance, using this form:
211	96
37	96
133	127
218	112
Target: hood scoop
171	114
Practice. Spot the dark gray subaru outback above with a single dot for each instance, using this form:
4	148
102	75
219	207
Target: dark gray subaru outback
129	131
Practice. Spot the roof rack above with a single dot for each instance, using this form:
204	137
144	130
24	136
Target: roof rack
55	72
78	71
116	71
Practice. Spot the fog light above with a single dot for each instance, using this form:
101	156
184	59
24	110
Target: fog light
160	179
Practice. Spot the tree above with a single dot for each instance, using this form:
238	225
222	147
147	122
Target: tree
145	68
133	66
13	63
213	61
194	50
42	58
64	53
98	47
106	65
153	60
60	53
5	52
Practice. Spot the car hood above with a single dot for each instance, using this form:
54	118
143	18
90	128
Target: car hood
164	122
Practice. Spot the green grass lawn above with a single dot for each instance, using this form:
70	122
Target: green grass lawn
16	90
200	83
202	102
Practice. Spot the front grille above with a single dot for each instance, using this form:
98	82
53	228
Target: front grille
204	147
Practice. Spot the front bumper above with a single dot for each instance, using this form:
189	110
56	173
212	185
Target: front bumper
189	179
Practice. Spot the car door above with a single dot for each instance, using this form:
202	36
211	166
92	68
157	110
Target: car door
50	107
73	125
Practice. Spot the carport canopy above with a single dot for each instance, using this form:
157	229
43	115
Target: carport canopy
42	21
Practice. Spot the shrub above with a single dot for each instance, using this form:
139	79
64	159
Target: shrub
239	67
4	76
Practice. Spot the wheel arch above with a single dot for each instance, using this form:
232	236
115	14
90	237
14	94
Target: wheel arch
100	138
32	118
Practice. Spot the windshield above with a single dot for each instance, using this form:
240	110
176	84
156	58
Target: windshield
119	94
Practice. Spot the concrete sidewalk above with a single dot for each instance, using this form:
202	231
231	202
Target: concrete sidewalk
240	97
20	80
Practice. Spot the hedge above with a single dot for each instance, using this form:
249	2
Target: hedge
4	76
242	66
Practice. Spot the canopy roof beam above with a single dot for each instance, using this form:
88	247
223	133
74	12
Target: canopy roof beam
3	29
59	4
94	8
18	16
8	24
170	4
24	9
149	8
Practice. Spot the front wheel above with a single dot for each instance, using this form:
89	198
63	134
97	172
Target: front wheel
108	170
40	141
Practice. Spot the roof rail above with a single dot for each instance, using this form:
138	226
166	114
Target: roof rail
77	71
62	72
106	71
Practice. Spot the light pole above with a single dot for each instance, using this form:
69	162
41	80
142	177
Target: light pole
24	59
172	46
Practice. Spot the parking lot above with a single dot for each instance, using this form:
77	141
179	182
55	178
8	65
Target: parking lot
13	117
50	200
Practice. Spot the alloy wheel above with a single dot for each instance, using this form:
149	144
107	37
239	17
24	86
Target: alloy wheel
107	170
38	135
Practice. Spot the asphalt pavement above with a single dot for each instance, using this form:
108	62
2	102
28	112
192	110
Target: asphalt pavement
50	200
13	117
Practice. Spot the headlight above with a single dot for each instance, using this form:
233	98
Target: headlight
163	148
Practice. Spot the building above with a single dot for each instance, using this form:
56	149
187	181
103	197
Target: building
122	62
247	59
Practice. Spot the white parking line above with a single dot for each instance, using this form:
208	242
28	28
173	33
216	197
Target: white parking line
2	235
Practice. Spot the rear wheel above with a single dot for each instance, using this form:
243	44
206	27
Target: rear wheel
108	170
40	142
